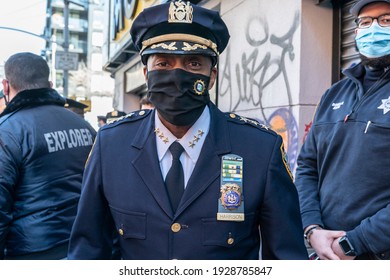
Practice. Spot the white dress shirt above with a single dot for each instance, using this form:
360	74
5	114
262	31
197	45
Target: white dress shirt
192	143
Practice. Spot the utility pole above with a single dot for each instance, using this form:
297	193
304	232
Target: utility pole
66	41
66	46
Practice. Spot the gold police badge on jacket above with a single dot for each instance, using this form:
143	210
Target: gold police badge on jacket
231	200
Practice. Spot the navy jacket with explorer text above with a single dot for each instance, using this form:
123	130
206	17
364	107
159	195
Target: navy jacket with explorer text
43	150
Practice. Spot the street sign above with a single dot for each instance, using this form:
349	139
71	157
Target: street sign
67	60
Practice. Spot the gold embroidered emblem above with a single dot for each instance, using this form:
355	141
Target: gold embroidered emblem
170	47
180	12
188	47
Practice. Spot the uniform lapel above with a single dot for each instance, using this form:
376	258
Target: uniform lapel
208	167
147	164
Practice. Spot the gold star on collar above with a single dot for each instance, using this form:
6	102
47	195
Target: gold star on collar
192	143
161	135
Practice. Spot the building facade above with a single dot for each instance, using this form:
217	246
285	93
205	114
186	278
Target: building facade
78	37
85	29
282	56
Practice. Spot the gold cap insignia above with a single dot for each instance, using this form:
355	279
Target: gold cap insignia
180	12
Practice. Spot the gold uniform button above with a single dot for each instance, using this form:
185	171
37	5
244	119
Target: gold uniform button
176	227
142	113
120	231
230	241
233	116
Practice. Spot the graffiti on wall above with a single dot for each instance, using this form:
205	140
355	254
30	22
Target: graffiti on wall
256	72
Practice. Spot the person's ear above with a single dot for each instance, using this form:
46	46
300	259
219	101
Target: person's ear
145	69
213	77
5	86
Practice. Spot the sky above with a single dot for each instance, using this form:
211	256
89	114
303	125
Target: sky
27	15
30	15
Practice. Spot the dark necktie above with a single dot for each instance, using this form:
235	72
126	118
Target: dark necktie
175	177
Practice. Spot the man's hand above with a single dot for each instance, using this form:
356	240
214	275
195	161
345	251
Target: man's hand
322	242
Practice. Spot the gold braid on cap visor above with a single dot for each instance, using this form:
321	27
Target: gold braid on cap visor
179	37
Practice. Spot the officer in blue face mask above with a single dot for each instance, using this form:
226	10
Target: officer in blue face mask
184	180
372	35
342	175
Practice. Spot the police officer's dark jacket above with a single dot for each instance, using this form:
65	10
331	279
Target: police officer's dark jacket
342	175
123	188
43	149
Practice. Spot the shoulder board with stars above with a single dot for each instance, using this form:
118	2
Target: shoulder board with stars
244	120
133	116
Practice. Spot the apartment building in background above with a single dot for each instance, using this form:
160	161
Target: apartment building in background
88	83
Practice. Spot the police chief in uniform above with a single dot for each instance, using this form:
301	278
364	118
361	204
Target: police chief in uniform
186	181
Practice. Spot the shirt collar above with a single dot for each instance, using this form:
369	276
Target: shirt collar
192	141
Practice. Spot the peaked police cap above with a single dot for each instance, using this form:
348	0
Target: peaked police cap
179	27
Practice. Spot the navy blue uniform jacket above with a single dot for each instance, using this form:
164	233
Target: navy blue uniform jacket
123	188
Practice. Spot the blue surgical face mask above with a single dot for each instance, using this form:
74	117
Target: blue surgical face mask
374	41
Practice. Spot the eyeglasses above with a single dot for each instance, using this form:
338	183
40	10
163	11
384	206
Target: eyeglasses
366	22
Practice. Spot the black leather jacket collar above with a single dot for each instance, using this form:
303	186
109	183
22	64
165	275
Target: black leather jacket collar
33	98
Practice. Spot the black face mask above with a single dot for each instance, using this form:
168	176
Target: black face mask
179	96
